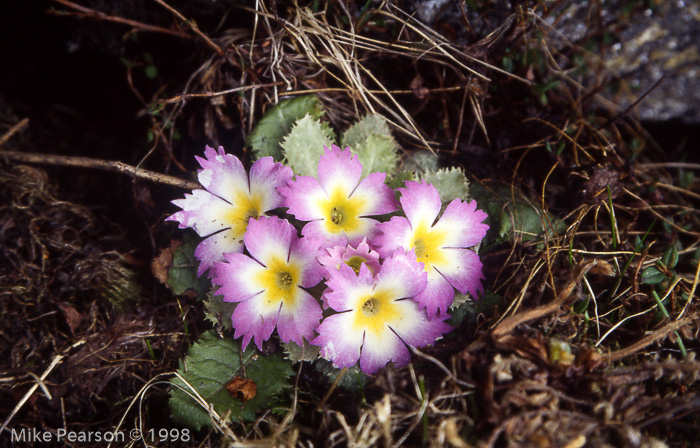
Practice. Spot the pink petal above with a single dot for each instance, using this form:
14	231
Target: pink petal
254	321
203	212
212	249
402	275
378	198
222	174
338	167
418	330
298	322
463	271
462	223
339	342
421	203
437	296
265	176
268	238
234	277
378	350
304	197
303	252
393	234
345	286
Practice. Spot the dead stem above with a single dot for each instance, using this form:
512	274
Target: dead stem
192	25
87	12
105	165
650	339
13	130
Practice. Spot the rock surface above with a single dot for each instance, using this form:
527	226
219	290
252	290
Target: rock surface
647	45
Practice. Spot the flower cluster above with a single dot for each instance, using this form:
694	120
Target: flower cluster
388	283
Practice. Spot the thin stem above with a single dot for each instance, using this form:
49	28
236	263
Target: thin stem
98	164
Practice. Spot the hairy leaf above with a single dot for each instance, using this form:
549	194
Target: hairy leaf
210	365
398	180
451	183
371	139
421	161
267	135
304	145
218	311
296	353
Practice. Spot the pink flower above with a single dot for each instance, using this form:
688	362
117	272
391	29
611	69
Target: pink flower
268	284
336	257
221	211
338	204
443	246
376	318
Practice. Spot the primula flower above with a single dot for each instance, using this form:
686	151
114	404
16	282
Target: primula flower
338	203
442	246
333	258
376	318
221	211
268	284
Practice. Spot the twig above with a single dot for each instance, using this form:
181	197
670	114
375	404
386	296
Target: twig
185	96
193	27
655	336
102	16
13	130
40	382
690	166
106	165
508	324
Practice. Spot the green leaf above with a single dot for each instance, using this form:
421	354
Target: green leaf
652	276
182	274
219	312
210	364
267	135
378	154
511	217
353	380
670	257
398	180
451	183
370	138
151	71
296	353
421	161
304	145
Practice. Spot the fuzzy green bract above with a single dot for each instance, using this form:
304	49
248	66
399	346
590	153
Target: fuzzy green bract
266	137
210	364
371	139
304	145
450	182
217	311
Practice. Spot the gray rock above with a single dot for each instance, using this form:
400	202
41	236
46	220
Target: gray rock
651	44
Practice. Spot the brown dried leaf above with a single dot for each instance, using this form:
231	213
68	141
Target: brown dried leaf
242	388
72	316
164	261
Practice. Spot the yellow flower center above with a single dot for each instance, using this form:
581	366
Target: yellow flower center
241	211
375	312
337	216
280	281
355	263
428	244
371	307
342	212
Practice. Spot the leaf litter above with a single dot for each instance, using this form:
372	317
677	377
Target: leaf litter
573	349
